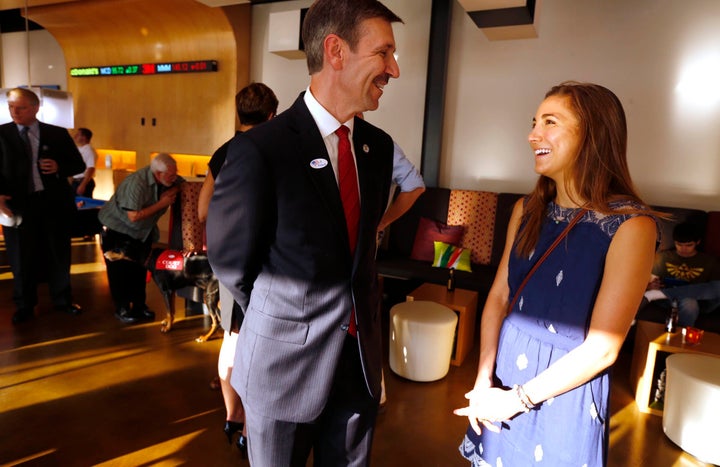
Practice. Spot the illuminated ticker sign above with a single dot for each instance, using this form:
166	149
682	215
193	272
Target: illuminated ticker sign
196	66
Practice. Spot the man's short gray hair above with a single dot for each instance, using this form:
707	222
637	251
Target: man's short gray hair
161	162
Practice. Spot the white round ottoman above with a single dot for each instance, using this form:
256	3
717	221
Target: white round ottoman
691	415
422	334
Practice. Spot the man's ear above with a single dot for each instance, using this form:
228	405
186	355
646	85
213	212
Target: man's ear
334	51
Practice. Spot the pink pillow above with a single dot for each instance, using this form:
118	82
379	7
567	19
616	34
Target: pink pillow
430	231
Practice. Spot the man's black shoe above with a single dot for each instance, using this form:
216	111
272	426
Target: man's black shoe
21	316
71	309
124	315
145	314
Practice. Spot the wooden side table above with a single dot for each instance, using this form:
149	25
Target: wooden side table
464	303
651	338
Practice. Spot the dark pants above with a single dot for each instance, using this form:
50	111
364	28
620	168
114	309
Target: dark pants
341	436
89	188
127	277
38	250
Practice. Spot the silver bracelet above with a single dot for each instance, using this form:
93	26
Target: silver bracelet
524	399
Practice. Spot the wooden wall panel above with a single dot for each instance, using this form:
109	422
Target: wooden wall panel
194	112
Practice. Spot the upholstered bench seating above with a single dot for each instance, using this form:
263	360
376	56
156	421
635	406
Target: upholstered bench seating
477	221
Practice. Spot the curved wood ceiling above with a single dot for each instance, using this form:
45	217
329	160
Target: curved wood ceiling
153	113
136	30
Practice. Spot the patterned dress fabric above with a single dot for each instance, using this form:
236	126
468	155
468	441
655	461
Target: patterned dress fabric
549	319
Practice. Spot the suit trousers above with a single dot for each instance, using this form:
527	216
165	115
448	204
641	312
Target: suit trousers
127	277
341	436
39	250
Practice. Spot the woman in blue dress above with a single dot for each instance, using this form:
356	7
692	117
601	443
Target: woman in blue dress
542	390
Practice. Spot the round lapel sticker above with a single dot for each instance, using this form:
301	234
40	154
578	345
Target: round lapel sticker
318	163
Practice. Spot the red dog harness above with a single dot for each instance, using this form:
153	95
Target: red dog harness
170	260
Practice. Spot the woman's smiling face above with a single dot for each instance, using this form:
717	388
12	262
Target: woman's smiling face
555	138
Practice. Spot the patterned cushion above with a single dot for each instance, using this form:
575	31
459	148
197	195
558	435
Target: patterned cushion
450	256
429	231
476	211
192	230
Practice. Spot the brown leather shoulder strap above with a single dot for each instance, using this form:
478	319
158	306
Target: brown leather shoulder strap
557	241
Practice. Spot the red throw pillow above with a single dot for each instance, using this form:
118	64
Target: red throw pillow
430	231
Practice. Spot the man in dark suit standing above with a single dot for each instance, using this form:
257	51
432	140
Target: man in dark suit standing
299	257
36	203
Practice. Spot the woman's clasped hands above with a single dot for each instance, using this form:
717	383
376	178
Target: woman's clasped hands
489	405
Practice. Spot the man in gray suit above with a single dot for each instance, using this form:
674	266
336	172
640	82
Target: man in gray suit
308	361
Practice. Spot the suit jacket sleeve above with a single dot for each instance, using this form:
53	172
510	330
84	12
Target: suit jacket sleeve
241	219
56	143
13	171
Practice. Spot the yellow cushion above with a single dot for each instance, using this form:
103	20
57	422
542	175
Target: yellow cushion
451	256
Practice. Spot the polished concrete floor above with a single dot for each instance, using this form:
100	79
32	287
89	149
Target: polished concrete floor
88	390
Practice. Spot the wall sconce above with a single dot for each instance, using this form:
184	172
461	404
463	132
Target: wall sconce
504	19
698	87
285	38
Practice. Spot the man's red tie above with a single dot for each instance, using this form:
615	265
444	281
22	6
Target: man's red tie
347	182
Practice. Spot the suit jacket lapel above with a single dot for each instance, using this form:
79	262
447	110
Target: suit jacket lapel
364	154
26	161
316	163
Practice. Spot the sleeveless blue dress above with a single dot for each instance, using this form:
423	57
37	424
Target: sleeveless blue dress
549	319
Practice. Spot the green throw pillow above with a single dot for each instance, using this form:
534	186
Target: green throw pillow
451	256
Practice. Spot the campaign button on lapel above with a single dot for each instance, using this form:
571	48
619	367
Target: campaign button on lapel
318	163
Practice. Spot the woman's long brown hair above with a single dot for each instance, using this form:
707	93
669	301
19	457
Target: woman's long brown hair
600	173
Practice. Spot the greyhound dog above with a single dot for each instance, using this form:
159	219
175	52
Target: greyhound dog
172	270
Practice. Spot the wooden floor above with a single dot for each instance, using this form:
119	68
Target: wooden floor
88	390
